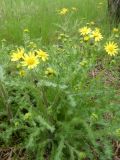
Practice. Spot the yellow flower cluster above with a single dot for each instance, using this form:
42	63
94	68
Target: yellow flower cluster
30	59
87	33
64	11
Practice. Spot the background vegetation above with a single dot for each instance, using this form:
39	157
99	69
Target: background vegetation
41	18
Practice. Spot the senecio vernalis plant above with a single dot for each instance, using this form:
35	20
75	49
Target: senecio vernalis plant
58	102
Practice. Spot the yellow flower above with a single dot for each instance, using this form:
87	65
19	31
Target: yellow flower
97	35
63	11
86	38
115	30
22	73
30	60
16	56
43	55
111	48
49	71
84	31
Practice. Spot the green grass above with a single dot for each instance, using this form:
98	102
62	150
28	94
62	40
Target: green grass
41	17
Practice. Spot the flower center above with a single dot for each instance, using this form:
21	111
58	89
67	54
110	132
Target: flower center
30	61
111	48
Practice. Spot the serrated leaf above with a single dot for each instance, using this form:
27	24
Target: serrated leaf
45	123
59	150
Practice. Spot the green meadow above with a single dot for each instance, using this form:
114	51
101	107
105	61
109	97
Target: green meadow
41	17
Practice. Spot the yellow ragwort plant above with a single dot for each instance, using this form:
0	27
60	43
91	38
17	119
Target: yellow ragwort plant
43	55
30	60
111	48
84	30
17	55
97	35
63	11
